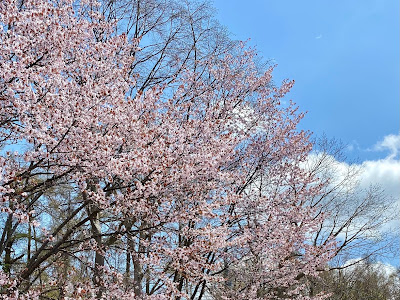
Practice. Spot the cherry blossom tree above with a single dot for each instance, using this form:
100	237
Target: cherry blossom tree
114	186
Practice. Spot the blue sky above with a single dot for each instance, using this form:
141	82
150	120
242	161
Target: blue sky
344	57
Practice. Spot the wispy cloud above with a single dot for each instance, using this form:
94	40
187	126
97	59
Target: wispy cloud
353	146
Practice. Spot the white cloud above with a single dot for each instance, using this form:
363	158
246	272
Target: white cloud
384	172
353	195
390	142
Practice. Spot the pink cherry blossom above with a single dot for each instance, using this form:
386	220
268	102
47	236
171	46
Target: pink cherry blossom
198	182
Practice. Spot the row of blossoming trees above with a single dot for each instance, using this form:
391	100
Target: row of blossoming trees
183	183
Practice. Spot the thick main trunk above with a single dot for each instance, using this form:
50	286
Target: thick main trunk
99	256
5	242
137	269
99	260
